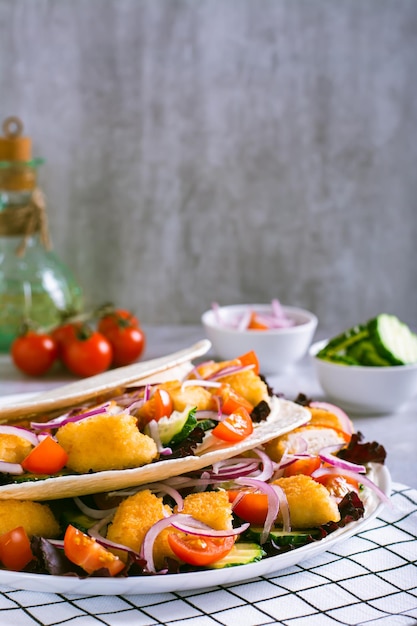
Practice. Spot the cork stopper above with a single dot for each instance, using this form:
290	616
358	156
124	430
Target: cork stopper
17	168
13	146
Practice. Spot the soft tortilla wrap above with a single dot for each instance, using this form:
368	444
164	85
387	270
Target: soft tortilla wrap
103	384
285	416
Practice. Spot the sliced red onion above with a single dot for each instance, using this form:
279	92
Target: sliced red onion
268	465
23	433
244	320
94	513
164	488
333	471
327	456
146	551
229	371
95	533
195	371
62	420
11	468
147	393
192	526
344	419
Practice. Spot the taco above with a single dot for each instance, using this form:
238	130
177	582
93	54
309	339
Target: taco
113	434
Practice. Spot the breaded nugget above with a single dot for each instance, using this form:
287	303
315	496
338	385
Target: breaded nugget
315	437
132	520
36	519
14	449
325	417
211	507
105	442
249	385
190	395
246	383
309	502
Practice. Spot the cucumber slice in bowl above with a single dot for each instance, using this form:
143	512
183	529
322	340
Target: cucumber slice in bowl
393	339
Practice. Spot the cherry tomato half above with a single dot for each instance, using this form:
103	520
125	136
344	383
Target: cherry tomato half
89	353
159	405
15	550
303	466
48	457
338	486
128	343
255	323
252	507
84	551
231	400
236	427
34	353
200	550
250	358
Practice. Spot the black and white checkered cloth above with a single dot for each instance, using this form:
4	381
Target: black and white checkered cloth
368	580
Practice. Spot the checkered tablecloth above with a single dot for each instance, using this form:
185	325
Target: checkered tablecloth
369	579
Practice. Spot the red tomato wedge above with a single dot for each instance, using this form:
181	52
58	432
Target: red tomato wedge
235	427
255	323
303	466
231	400
15	550
252	507
339	486
84	551
250	358
48	457
159	405
200	550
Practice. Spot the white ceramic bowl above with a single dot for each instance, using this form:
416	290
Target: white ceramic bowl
365	390
277	348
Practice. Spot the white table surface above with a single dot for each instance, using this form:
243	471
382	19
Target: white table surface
396	432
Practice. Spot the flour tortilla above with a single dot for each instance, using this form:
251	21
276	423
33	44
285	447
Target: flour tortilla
168	367
285	416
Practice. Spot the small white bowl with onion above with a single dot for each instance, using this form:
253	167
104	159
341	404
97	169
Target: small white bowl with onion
280	335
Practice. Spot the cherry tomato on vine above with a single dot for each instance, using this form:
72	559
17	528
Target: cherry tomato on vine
34	353
86	552
128	344
88	354
200	550
65	333
15	550
118	318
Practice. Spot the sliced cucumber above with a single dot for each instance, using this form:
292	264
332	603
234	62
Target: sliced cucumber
339	344
393	339
240	554
282	538
177	426
365	353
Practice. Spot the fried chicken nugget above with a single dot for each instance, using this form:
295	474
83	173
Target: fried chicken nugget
309	502
105	442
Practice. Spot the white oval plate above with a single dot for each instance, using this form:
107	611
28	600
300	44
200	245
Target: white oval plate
197	580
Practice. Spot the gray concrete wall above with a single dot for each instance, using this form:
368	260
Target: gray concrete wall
224	150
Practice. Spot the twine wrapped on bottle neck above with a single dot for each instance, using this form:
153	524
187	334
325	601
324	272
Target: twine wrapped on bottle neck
26	220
